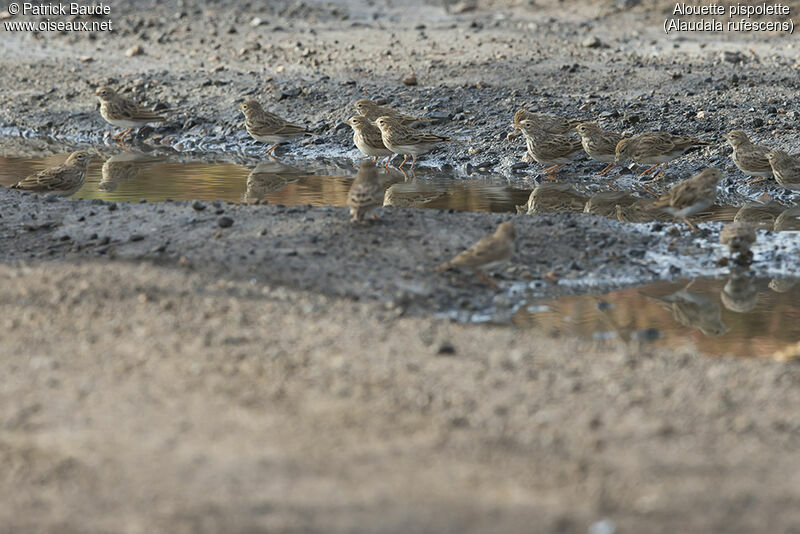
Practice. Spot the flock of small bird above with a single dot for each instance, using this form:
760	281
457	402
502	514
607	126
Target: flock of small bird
380	131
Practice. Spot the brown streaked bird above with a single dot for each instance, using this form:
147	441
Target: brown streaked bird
750	158
549	123
366	192
694	310
782	285
788	221
405	140
599	144
373	112
551	150
641	211
488	254
61	180
122	112
691	196
785	169
758	213
655	148
738	236
267	127
605	203
553	198
367	138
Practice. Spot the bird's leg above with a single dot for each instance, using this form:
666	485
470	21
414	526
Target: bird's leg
388	159
648	190
483	276
606	169
551	178
554	168
648	171
405	158
756	181
413	161
375	160
692	227
271	150
122	134
664	168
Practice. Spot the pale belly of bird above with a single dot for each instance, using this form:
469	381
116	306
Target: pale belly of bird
598	154
412	150
121	123
655	159
493	266
367	149
272	138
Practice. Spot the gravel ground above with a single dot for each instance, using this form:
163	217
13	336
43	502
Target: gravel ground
288	372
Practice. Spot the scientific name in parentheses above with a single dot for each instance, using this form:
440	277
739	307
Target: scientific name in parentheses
702	25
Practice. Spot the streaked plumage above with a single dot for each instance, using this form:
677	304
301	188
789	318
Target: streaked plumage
655	148
599	144
373	112
691	196
785	169
549	123
395	196
367	138
758	213
267	127
605	204
788	221
366	192
405	140
122	112
751	159
548	149
641	211
739	294
553	198
61	180
489	253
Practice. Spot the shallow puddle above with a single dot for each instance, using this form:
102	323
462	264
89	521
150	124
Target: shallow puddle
129	176
739	316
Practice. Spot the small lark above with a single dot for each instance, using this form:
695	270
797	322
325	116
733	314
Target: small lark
751	159
738	236
367	138
61	180
788	221
488	254
548	149
372	111
691	196
785	168
549	123
599	144
655	148
640	211
605	204
366	193
405	140
122	112
553	198
267	127
760	214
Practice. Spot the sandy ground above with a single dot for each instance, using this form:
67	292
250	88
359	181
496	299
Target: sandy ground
289	374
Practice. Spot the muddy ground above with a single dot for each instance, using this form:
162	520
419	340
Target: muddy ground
291	372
